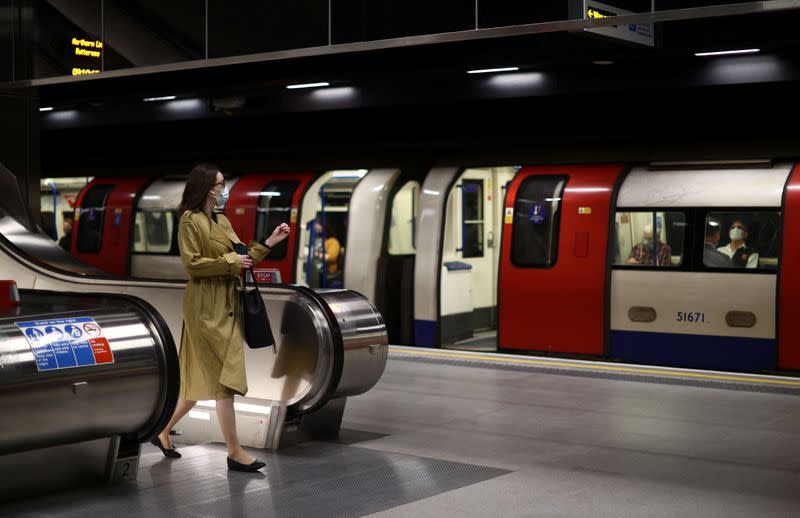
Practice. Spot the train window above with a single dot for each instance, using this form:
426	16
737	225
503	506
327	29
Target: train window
472	238
274	208
748	239
638	245
537	214
403	226
90	223
47	223
153	232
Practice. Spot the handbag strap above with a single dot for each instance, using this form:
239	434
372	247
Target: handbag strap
253	276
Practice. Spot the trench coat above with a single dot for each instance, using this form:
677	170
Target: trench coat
212	355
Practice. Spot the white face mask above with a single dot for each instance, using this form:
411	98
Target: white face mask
736	234
222	199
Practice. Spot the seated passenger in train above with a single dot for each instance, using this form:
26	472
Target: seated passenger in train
711	256
642	253
332	249
329	260
741	255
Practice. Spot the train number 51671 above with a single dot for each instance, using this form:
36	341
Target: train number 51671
683	316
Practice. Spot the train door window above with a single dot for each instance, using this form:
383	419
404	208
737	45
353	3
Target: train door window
403	225
274	208
638	245
47	223
155	231
747	239
537	214
92	211
472	225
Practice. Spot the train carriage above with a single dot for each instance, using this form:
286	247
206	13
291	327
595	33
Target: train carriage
675	265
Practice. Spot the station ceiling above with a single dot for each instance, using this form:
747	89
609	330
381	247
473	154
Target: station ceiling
414	94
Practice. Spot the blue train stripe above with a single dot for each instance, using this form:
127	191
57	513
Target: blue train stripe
425	333
695	351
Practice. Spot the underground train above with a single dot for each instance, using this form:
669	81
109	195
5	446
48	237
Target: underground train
605	261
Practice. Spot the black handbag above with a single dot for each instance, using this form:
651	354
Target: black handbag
255	323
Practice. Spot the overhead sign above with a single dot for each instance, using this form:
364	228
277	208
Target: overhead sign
90	53
641	33
66	343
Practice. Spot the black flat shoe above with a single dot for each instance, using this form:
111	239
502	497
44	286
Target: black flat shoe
171	452
238	466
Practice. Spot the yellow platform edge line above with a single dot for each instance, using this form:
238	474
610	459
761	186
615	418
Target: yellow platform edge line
609	368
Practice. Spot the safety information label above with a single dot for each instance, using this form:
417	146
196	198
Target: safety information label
66	342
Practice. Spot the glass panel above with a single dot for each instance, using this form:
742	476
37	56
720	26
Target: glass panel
638	246
6	47
274	208
403	226
473	218
152	32
252	26
47	223
537	214
359	20
139	245
90	224
67	38
155	232
742	240
59	209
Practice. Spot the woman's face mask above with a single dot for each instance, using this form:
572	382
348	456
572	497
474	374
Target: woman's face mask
736	234
222	197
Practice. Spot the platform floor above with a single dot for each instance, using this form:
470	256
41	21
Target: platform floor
457	436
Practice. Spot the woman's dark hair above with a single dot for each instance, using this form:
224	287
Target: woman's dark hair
201	180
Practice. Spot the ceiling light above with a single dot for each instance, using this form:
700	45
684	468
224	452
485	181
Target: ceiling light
46	109
727	52
307	85
164	98
492	70
602	62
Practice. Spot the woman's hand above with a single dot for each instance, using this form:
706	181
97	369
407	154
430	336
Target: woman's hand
280	233
245	262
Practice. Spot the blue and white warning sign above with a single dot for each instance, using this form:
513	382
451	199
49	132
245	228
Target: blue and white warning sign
537	214
66	342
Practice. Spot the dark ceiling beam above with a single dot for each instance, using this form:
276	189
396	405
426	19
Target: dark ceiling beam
696	13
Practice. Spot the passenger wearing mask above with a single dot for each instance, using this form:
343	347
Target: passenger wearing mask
211	355
741	255
642	253
711	257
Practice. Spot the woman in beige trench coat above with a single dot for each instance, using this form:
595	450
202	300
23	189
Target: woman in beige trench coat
212	355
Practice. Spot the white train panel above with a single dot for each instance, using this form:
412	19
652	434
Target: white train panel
704	188
693	303
429	244
701	320
365	232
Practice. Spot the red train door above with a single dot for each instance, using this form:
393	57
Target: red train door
554	262
260	202
789	277
103	223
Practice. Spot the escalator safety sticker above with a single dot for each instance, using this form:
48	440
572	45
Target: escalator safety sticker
64	343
